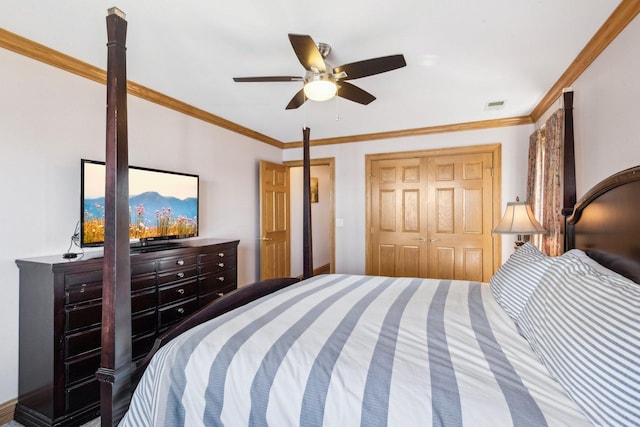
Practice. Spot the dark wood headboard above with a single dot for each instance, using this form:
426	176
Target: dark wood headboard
606	223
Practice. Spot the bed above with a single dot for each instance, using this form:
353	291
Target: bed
548	341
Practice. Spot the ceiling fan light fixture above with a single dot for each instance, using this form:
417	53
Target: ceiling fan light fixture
320	87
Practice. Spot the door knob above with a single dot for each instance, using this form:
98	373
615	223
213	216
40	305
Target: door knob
432	239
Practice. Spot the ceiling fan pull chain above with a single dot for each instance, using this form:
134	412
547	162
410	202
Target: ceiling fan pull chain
337	101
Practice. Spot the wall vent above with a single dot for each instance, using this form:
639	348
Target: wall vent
494	105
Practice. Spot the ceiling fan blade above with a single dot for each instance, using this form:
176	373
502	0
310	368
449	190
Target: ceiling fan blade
369	67
307	52
297	100
269	79
354	93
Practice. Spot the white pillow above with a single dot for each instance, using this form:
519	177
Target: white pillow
585	327
516	279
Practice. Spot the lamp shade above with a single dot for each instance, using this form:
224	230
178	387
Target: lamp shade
320	87
519	219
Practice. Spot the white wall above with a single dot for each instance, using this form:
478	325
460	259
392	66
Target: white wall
49	120
320	219
351	184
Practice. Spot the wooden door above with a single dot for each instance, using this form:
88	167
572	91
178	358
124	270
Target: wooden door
398	217
274	221
431	215
460	217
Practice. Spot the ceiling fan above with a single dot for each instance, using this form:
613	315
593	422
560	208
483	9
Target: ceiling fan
322	83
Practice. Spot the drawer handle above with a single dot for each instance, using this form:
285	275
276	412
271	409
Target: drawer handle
221	264
221	254
180	274
181	310
180	291
220	294
180	262
220	278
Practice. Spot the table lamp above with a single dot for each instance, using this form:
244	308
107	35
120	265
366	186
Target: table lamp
518	219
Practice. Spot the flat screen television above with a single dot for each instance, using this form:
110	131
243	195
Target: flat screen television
163	205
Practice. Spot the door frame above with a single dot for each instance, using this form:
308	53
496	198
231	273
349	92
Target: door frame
330	162
494	149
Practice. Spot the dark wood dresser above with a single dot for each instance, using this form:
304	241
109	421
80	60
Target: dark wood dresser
60	316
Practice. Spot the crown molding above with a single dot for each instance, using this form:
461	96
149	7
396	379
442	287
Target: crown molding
619	19
39	52
456	127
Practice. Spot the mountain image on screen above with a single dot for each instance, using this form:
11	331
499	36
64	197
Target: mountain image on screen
151	214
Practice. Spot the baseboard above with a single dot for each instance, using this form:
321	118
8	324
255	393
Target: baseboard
7	410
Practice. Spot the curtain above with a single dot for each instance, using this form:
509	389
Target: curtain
544	183
534	180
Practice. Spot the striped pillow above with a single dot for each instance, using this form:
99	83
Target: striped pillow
585	328
516	279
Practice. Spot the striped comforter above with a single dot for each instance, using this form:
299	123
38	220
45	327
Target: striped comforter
346	350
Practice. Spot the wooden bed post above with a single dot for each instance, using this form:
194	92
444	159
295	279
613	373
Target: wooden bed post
569	162
307	247
116	366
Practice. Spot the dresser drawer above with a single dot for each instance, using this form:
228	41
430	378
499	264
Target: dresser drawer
212	282
82	395
173	313
176	262
143	268
217	265
83	278
143	281
84	315
143	323
144	300
179	291
211	296
179	274
82	342
142	345
83	292
222	253
81	368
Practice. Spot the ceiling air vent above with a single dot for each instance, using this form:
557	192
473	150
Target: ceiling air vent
494	105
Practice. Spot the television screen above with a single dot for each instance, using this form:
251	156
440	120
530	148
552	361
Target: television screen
162	204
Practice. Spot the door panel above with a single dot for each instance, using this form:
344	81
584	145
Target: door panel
398	217
274	221
460	217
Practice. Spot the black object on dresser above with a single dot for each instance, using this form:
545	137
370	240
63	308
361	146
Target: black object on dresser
60	316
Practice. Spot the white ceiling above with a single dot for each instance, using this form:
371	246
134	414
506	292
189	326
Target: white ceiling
460	54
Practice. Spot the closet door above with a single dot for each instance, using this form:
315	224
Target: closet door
399	217
431	215
460	199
